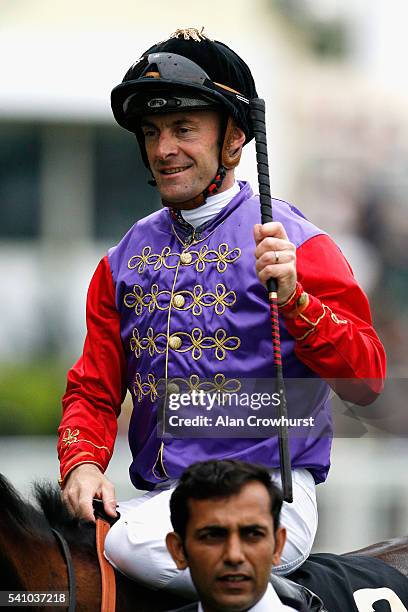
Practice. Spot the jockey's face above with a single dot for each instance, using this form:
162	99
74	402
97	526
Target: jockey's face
183	153
230	548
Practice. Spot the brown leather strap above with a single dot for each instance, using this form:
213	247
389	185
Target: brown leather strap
70	568
108	599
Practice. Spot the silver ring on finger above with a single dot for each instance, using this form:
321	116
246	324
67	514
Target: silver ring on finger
276	257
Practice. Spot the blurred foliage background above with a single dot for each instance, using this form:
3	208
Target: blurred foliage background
31	397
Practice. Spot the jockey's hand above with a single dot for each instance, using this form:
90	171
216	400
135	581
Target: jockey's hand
84	483
275	258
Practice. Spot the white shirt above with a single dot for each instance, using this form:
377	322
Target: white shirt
212	207
270	602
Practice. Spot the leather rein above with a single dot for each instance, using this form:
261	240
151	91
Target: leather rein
108	597
66	553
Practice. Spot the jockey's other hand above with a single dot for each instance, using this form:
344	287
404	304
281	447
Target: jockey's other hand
275	258
85	482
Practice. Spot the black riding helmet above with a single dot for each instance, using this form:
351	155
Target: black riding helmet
187	71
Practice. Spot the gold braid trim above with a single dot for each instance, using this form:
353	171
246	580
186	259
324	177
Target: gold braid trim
71	437
196	299
222	257
156	388
314	324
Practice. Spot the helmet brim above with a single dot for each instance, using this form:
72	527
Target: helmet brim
207	91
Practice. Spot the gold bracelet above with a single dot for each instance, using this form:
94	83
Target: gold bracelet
290	298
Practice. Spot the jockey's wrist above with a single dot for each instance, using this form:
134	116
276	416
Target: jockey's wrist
64	476
290	298
295	304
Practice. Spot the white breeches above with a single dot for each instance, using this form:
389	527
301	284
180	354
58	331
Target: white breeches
135	545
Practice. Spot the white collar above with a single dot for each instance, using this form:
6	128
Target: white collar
269	601
211	207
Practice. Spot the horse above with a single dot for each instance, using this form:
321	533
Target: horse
31	557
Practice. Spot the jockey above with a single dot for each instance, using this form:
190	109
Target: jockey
179	306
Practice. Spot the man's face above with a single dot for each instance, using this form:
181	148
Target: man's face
230	548
183	152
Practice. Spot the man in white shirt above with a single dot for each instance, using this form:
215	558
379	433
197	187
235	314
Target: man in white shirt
225	516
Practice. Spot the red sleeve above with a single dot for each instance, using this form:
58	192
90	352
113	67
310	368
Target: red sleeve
334	335
96	386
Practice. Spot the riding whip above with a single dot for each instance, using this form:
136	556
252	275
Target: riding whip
257	111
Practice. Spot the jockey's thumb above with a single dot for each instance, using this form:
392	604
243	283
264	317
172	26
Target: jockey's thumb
257	232
110	507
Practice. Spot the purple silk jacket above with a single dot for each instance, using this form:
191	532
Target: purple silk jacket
195	316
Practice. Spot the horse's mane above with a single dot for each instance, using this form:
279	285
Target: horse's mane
16	512
49	512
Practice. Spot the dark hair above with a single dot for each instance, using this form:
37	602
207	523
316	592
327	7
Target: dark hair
217	479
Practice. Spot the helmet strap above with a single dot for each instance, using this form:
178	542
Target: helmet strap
216	183
200	199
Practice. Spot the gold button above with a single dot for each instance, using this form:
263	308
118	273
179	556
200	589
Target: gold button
178	301
186	258
172	388
174	342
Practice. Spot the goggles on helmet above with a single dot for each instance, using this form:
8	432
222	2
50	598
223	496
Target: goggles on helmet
169	82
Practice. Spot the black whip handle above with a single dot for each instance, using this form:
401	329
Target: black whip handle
257	112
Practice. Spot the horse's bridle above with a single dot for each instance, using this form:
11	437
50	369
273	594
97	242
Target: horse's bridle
66	553
108	596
